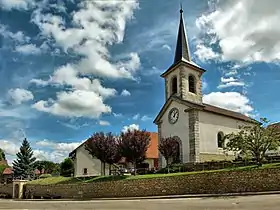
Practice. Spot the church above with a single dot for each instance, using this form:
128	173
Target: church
198	127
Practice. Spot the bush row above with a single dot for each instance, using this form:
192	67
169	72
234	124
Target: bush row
205	166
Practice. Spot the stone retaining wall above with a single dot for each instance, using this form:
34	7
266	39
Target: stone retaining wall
6	189
201	183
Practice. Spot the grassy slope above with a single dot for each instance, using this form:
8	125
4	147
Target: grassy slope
68	180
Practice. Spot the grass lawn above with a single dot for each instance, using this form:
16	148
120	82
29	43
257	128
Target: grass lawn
69	180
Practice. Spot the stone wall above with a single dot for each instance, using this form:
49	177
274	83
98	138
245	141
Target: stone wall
6	189
201	183
204	157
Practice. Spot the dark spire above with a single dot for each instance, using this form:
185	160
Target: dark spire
182	48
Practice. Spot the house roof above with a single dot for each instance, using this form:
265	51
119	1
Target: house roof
152	151
8	171
204	107
38	172
74	151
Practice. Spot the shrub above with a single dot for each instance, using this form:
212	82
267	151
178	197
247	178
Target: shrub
43	176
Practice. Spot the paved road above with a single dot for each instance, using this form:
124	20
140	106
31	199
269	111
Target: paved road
264	202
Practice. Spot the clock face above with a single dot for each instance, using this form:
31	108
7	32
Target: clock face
173	115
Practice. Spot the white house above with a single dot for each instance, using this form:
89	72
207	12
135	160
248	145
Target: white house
198	127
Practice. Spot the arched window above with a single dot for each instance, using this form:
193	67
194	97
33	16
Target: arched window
191	84
220	139
174	85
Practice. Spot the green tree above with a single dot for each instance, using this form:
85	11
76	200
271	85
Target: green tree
254	140
48	167
2	155
67	167
23	166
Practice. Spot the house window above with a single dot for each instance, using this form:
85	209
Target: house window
85	171
174	85
220	139
191	84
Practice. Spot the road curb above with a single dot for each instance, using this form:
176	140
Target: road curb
162	197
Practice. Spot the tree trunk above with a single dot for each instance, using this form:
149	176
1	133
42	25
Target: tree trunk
134	167
104	169
110	169
167	164
259	159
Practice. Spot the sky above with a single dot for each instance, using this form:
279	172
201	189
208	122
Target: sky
69	68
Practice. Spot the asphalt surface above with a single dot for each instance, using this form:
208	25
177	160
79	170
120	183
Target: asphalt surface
262	202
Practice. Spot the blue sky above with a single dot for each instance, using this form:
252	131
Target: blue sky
71	68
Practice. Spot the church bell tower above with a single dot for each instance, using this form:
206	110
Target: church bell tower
183	77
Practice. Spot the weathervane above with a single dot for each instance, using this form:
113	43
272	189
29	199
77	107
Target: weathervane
181	8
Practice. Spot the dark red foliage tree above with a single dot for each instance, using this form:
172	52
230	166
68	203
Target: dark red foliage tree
133	145
104	147
168	147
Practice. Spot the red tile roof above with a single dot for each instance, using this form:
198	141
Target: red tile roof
8	171
152	151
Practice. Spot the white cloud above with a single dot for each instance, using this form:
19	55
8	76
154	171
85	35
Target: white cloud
9	147
39	82
104	123
117	114
54	151
204	85
165	46
125	93
136	117
229	100
60	146
92	31
95	29
10	113
18	95
16	4
28	49
77	103
67	75
230	82
19	36
205	53
43	150
145	118
232	72
89	93
131	127
245	31
153	71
